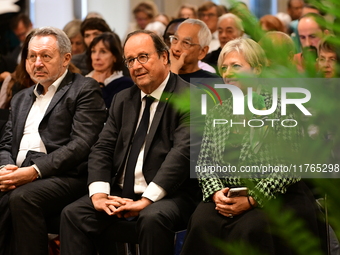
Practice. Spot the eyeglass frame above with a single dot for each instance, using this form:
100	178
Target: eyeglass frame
126	61
171	37
209	15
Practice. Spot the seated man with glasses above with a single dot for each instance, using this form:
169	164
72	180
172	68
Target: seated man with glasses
139	169
188	46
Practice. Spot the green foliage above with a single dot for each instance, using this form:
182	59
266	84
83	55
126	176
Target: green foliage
325	108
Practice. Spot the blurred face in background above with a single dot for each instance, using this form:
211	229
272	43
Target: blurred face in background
102	58
78	45
295	9
170	31
227	31
21	31
310	33
210	18
142	19
327	61
187	13
89	35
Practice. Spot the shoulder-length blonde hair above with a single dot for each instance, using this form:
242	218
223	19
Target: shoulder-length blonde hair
250	50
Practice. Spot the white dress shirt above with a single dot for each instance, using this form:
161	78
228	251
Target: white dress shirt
214	43
31	139
152	191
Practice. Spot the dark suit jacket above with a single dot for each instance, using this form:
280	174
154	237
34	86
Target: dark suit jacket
69	128
167	148
80	61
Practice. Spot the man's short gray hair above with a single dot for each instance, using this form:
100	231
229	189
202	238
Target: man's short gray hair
204	34
63	41
238	21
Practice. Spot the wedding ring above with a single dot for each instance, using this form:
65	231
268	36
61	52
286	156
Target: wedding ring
230	215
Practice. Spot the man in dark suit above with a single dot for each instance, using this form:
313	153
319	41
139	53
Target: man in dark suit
46	142
163	195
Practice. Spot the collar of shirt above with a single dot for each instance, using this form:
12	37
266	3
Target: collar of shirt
38	90
157	93
116	75
214	35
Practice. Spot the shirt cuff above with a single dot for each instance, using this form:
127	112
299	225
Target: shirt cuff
37	169
154	192
99	187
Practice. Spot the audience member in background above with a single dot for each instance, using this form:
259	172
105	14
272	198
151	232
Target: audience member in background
144	13
271	23
17	80
229	27
170	30
89	29
187	11
94	15
223	9
72	30
250	23
209	13
189	45
285	19
328	58
307	8
311	30
163	18
240	220
46	143
294	8
21	25
106	62
157	27
279	48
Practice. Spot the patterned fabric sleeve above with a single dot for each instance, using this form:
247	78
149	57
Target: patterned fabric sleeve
209	183
285	140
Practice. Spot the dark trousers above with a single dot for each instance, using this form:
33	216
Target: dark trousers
208	230
24	213
85	230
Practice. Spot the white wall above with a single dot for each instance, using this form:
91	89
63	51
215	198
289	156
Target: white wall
52	13
58	13
115	12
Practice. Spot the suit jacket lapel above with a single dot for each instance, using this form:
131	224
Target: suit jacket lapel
166	95
62	89
130	116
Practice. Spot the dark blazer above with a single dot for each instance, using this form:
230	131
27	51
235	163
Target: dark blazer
70	126
80	61
167	148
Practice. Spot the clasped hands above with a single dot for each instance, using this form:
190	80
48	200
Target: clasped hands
230	207
121	207
12	176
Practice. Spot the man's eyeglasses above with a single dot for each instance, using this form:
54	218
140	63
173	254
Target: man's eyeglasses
184	44
209	15
142	59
